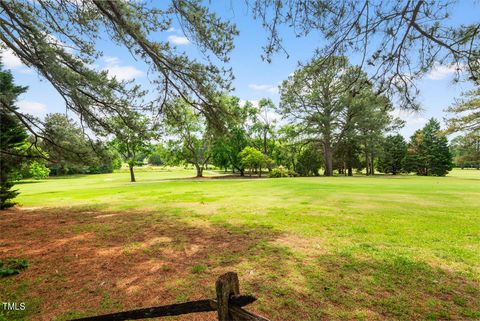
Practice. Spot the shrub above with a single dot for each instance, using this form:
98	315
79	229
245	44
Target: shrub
38	170
280	171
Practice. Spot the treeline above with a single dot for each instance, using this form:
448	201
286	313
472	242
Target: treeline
329	120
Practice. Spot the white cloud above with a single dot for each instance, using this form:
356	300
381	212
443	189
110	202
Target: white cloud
111	60
9	60
178	40
121	72
412	119
440	72
266	88
31	107
171	29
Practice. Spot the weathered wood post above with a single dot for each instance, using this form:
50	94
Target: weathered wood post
227	288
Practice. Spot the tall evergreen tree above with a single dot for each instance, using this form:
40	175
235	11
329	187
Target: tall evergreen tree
428	152
393	154
12	137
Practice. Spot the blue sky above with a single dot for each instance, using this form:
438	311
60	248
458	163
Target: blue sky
255	78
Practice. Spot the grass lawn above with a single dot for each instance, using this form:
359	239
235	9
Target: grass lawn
340	248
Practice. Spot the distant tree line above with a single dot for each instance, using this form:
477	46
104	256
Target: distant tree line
328	118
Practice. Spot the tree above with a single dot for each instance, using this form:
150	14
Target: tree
288	146
59	40
132	138
317	98
466	150
13	137
70	151
309	160
161	156
428	152
254	159
263	126
465	113
227	146
195	144
393	153
388	35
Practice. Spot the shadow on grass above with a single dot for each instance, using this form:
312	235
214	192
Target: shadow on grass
342	286
86	262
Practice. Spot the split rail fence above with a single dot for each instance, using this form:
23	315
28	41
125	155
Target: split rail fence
228	305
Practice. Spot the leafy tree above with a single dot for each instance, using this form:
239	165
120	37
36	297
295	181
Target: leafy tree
466	150
428	152
254	160
227	146
195	144
309	161
38	170
132	138
288	146
59	39
263	126
465	113
12	137
317	99
401	29
393	154
161	156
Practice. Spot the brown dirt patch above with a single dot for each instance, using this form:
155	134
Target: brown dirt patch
78	262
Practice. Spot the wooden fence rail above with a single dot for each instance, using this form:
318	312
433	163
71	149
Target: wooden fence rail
228	305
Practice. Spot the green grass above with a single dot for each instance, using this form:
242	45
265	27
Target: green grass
337	248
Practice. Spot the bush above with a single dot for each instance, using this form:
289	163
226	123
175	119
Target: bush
38	170
280	171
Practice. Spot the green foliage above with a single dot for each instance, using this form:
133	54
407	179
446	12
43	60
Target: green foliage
333	103
309	161
12	266
195	135
392	155
226	148
466	150
465	113
13	136
92	93
282	171
38	170
254	159
70	151
428	152
132	136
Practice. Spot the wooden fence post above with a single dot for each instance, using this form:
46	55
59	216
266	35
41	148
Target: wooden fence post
226	286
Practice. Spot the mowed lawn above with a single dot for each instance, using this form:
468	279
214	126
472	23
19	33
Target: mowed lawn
340	248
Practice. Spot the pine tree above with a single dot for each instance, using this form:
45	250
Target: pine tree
428	151
12	137
394	151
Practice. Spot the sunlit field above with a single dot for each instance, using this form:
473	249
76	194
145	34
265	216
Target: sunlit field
376	248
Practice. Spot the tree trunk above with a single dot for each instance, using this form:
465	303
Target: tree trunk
350	171
367	163
372	166
327	156
132	174
199	170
